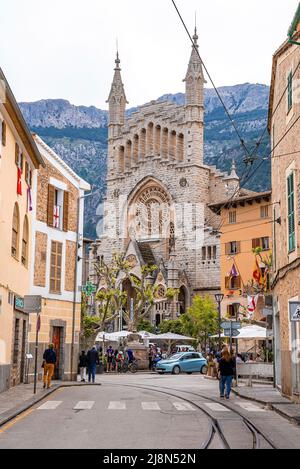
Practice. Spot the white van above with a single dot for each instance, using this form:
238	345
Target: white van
184	348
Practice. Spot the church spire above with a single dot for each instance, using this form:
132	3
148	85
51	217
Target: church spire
117	97
194	77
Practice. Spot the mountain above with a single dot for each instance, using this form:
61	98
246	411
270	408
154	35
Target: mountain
79	135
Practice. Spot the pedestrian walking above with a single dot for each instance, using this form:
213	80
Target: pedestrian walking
92	362
82	366
227	372
49	363
110	358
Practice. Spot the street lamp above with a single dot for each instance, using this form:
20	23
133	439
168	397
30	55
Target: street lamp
219	298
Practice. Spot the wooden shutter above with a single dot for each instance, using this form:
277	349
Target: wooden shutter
291	213
51	203
66	212
55	268
3	130
238	247
256	243
17	151
228	248
227	283
238	282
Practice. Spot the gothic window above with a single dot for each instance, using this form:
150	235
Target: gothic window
128	155
172	146
121	159
165	144
135	149
161	292
180	147
150	133
157	141
143	143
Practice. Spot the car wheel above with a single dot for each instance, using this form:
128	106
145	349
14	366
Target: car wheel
204	370
176	370
161	373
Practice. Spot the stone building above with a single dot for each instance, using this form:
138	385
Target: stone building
19	158
284	127
158	191
58	207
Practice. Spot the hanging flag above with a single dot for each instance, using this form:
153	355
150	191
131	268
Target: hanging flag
29	200
19	183
234	272
252	305
56	215
257	272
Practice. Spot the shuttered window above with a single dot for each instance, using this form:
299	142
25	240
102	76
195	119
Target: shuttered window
15	232
232	217
233	283
66	212
290	91
291	213
234	247
51	203
25	237
55	267
3	133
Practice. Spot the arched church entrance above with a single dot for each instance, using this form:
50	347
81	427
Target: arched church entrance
182	300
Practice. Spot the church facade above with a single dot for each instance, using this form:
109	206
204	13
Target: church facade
158	191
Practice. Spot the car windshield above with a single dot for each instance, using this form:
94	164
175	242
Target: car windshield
176	356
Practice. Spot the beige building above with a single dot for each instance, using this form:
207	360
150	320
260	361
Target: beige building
19	158
284	127
158	191
56	273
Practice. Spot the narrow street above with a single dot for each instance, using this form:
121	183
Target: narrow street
146	411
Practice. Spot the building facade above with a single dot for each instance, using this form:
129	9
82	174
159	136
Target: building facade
246	227
284	128
19	158
158	191
56	272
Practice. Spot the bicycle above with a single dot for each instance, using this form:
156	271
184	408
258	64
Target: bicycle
132	366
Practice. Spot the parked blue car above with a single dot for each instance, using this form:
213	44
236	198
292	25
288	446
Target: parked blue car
188	362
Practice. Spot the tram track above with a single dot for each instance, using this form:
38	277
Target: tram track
215	431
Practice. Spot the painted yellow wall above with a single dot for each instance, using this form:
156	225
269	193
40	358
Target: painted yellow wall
14	276
249	226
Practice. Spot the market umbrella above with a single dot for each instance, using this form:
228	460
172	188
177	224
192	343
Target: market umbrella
169	337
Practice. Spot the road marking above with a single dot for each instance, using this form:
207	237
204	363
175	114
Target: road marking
16	420
183	406
84	405
216	407
50	405
116	405
250	407
150	406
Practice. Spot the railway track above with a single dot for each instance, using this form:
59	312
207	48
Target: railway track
215	432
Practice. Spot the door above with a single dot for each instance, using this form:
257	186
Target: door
56	340
187	363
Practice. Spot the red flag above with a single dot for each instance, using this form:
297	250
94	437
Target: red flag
19	183
257	272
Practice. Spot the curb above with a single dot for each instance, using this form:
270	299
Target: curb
16	411
270	406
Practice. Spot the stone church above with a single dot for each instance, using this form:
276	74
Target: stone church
158	191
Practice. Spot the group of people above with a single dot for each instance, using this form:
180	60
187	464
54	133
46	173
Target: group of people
115	359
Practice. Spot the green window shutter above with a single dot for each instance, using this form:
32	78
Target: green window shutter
290	91
291	212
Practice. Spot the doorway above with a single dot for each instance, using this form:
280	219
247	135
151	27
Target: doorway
57	342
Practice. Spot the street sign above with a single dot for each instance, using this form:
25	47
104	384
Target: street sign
231	325
19	304
231	333
267	312
295	311
32	304
89	288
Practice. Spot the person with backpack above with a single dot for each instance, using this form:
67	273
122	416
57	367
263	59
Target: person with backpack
227	370
92	362
82	366
49	363
110	358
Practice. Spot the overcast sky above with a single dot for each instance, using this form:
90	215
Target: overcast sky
66	48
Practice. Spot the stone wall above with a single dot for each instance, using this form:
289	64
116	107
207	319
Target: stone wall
40	259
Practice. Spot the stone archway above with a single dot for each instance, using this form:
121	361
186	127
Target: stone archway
183	300
150	211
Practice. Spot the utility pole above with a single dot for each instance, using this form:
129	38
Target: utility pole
219	298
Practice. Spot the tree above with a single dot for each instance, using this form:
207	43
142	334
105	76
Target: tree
174	326
145	325
201	320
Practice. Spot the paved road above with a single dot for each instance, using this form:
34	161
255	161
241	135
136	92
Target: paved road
143	411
